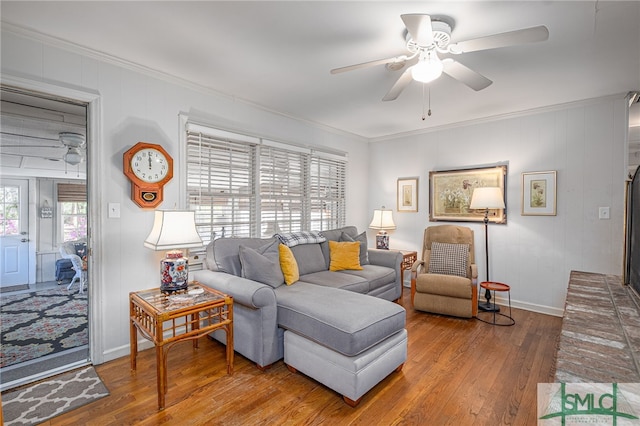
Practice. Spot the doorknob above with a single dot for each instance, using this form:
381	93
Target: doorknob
24	240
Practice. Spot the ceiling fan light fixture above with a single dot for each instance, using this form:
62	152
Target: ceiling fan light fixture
70	139
73	156
428	68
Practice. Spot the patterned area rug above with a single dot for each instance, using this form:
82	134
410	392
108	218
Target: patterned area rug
41	323
41	401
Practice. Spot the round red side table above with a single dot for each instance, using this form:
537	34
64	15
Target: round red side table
496	286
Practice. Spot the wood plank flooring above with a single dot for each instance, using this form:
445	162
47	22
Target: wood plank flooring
458	372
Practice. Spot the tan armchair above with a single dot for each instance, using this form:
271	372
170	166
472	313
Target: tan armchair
444	292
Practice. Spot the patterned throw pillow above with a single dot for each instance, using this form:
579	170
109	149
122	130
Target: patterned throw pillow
303	237
449	259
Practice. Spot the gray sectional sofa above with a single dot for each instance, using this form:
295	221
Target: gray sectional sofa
340	328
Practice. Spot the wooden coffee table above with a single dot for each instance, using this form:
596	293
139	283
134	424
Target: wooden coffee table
166	319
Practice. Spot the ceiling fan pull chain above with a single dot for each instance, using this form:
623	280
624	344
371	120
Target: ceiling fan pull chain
429	112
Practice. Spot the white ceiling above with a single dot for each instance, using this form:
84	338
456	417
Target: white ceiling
278	54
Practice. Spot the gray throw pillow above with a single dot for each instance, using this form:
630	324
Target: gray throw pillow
262	264
362	239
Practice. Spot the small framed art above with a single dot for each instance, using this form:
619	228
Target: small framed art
539	193
408	194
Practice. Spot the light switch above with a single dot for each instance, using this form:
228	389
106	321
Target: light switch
603	213
114	210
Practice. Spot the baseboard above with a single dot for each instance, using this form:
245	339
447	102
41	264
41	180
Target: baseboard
532	307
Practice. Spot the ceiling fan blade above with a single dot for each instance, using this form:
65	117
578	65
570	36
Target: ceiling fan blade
419	27
510	38
399	86
465	75
400	58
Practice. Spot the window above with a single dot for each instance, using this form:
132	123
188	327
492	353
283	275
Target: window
72	201
9	210
245	186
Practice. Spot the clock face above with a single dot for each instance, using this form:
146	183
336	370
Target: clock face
149	165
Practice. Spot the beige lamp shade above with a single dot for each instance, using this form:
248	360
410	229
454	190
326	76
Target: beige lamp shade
173	229
382	219
487	198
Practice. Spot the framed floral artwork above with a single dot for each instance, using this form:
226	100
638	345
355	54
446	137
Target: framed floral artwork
408	194
539	193
450	193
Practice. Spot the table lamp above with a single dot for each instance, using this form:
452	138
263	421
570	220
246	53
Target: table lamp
487	198
173	230
382	220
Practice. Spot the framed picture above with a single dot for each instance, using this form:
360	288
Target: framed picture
450	194
408	194
539	193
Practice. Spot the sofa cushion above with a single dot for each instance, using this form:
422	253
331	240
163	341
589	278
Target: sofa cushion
364	249
262	264
376	276
288	265
223	253
344	321
344	255
449	259
337	280
309	258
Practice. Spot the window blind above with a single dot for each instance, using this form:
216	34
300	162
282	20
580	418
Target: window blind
72	192
243	186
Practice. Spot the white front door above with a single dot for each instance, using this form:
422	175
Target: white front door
14	232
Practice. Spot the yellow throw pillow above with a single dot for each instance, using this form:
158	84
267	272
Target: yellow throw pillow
288	265
344	255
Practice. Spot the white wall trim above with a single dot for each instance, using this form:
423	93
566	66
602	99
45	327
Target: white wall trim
509	115
169	78
97	273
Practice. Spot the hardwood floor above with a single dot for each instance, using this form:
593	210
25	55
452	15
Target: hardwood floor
458	372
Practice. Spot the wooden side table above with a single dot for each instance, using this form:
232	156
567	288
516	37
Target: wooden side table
166	319
408	259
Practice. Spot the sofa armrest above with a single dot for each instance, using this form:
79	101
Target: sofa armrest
388	258
244	291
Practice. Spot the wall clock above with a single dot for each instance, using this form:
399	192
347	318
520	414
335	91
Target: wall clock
149	167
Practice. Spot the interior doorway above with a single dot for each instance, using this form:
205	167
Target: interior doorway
44	205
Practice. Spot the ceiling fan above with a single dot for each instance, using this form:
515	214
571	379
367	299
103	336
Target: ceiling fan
74	143
426	37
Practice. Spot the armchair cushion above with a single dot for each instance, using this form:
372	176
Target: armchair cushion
449	259
444	285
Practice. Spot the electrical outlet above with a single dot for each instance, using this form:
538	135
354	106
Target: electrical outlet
603	213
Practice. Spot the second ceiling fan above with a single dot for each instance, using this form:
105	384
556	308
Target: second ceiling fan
426	38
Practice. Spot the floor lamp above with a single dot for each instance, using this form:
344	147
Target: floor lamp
487	199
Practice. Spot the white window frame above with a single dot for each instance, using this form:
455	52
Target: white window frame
293	186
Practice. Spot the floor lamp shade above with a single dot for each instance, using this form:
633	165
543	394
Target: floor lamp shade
382	220
173	230
486	199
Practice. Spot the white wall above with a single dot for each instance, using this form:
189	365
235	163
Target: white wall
584	143
137	107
